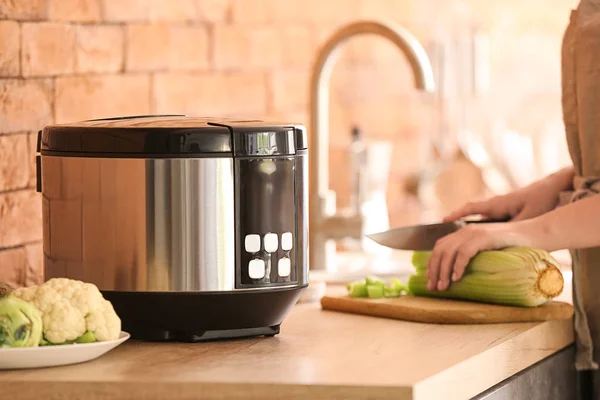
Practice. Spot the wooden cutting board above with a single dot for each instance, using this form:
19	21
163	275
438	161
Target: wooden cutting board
439	311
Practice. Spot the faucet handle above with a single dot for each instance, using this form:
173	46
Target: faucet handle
327	204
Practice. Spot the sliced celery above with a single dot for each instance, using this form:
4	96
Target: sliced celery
375	291
397	285
375	281
391	292
375	288
357	289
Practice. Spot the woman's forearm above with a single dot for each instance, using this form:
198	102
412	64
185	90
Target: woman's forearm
561	180
573	226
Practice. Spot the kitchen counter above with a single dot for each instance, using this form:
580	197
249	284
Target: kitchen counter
319	354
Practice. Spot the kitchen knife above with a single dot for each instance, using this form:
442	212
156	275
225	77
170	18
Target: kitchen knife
422	237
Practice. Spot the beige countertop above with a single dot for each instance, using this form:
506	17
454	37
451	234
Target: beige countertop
319	354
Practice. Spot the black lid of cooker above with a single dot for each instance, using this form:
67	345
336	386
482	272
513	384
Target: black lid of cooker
171	136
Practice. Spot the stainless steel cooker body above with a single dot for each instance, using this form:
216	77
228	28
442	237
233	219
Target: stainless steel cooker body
188	220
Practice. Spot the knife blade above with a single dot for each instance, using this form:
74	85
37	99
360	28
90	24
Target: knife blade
422	237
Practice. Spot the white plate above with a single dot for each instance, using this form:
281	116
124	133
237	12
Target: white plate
53	356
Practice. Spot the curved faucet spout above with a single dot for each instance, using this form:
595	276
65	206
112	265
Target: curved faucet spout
321	210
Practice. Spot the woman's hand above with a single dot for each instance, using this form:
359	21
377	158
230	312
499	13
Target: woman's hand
524	203
523	207
453	252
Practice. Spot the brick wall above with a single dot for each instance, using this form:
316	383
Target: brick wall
66	60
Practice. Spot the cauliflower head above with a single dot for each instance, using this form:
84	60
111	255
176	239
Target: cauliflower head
104	322
70	309
61	321
83	296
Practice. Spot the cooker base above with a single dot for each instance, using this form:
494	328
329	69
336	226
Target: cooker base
203	316
141	333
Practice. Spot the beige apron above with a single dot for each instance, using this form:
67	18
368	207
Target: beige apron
581	114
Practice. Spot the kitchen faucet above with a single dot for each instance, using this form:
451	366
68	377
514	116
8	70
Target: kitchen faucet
327	224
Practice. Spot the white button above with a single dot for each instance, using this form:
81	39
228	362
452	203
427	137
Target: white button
284	267
256	269
271	242
252	243
286	241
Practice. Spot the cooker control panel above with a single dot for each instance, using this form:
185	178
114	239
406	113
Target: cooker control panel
266	222
257	266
